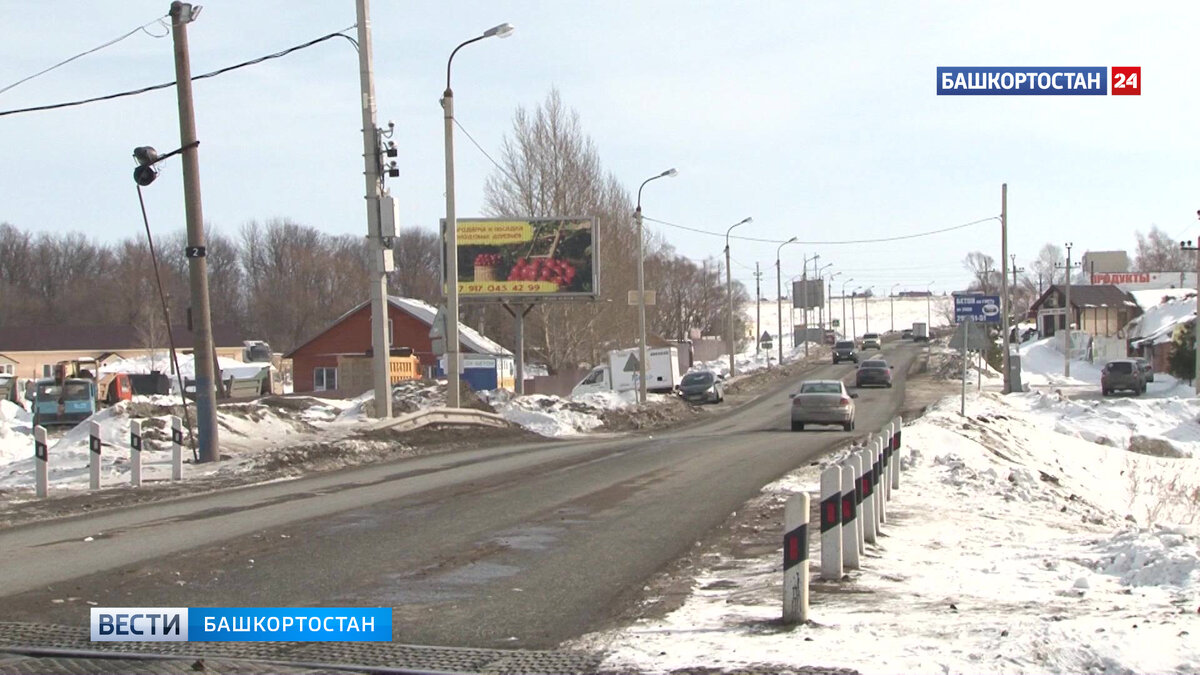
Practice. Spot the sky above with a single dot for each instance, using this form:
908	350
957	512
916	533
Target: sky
819	120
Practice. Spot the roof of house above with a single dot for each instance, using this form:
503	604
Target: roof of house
1157	324
423	312
8	358
98	338
1095	295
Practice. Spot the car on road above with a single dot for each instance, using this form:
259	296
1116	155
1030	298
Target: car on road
873	371
845	350
1121	374
1147	368
906	334
701	386
871	341
822	402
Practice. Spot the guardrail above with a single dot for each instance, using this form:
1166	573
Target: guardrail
421	418
853	512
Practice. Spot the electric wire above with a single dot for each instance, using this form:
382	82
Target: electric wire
93	50
220	71
824	243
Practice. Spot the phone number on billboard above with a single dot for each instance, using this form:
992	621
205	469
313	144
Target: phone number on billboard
508	287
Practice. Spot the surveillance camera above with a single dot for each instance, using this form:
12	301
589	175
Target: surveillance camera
391	124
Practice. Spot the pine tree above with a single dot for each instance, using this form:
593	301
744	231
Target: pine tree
1182	360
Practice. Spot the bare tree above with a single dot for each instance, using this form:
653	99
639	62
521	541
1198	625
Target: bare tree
985	275
1156	252
1043	268
418	264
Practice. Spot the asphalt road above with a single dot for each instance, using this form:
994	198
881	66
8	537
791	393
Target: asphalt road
514	546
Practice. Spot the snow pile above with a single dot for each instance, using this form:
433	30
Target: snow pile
161	362
1157	324
1042	365
16	433
1115	422
1009	549
557	417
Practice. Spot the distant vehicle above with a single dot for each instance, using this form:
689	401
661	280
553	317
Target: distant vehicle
8	388
874	371
871	341
844	350
1122	374
1147	369
114	388
822	402
920	332
702	386
906	334
256	351
830	337
63	402
621	372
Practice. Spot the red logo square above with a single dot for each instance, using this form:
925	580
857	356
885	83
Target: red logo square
1127	81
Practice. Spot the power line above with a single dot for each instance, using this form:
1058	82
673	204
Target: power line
143	90
823	243
485	152
93	50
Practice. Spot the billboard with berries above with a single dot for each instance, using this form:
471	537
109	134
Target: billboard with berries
503	258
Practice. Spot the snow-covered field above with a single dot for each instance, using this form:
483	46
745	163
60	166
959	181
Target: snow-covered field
1012	547
869	315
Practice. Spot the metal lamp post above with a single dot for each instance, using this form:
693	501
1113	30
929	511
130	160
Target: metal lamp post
867	309
1187	246
453	400
892	302
643	392
779	294
848	280
804	303
821	282
853	318
829	296
729	341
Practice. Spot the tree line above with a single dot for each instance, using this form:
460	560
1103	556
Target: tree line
284	281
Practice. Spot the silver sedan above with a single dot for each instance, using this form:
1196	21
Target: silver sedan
822	402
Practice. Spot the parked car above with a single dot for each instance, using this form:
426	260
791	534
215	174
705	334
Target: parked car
906	334
871	341
822	402
845	350
874	371
830	337
1147	368
1122	374
702	386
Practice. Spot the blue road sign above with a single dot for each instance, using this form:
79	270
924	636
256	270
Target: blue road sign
984	308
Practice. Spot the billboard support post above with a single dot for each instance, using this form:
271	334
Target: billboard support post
518	315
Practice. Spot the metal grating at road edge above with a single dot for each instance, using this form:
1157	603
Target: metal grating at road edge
380	655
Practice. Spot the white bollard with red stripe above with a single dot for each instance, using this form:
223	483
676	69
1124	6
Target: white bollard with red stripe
869	518
795	559
879	483
831	523
897	423
851	532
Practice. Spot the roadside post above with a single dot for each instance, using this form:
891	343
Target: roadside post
897	424
831	523
94	455
176	448
870	519
861	528
850	526
41	478
795	559
135	453
878	483
886	480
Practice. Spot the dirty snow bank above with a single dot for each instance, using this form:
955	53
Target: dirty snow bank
1011	548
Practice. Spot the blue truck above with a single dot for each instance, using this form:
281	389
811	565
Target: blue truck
66	401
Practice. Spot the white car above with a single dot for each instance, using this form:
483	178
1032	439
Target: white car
822	402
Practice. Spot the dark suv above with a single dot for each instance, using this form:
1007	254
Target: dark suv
845	350
1122	374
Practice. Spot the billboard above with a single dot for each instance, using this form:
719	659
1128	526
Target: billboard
527	259
810	298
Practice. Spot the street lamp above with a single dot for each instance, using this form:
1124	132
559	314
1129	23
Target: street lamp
779	295
821	317
848	280
1187	246
450	290
729	342
853	318
829	299
641	281
892	302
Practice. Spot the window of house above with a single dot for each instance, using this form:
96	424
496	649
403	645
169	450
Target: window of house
47	370
324	379
6	369
391	335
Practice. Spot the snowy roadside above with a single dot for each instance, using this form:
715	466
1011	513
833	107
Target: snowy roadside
1011	547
